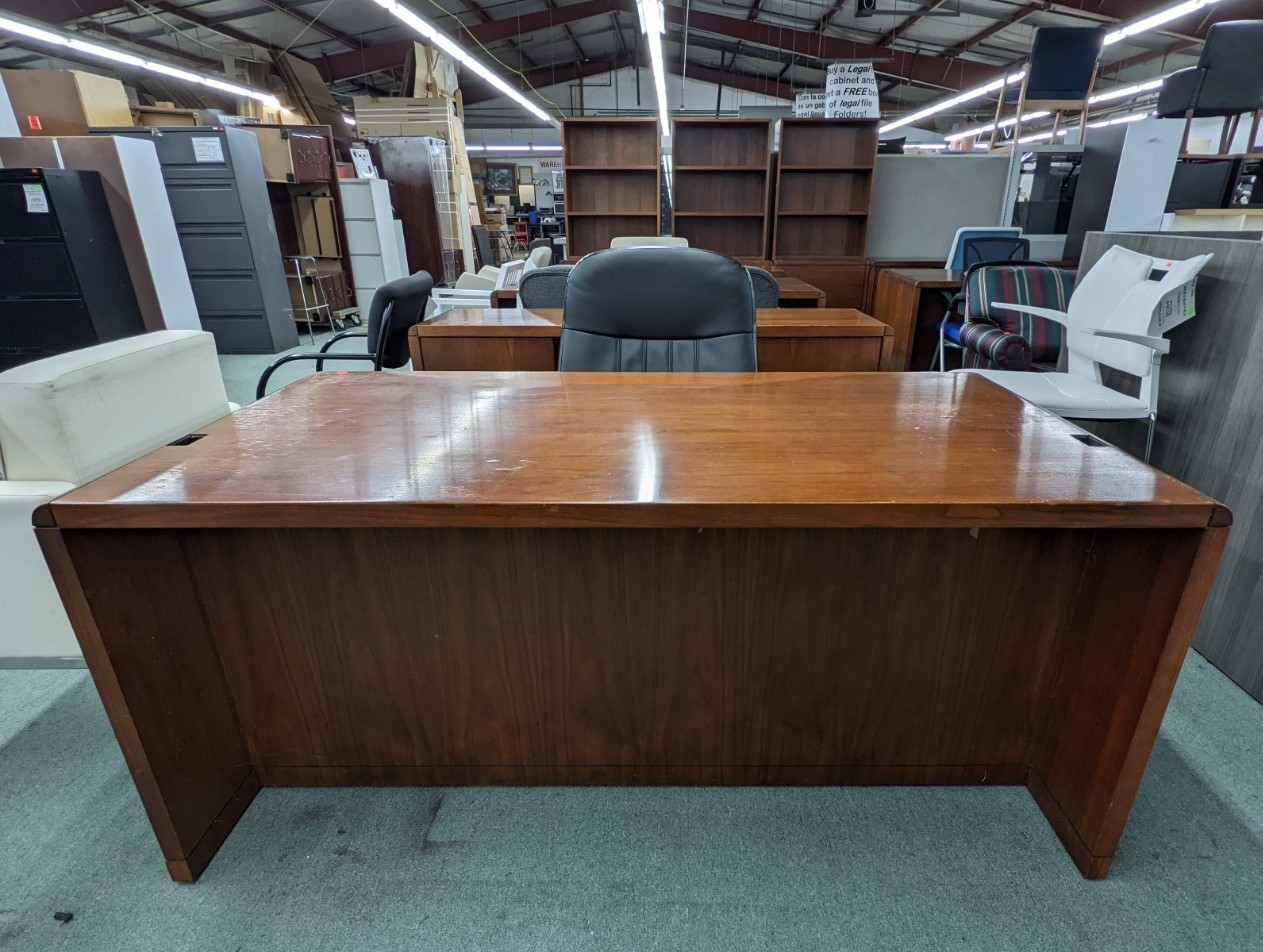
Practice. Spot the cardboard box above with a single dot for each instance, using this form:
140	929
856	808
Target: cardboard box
64	102
317	226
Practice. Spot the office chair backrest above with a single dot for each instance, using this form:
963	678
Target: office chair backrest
649	241
1230	69
1032	283
658	309
544	287
956	255
541	256
1062	62
1134	314
1176	96
980	249
767	293
397	305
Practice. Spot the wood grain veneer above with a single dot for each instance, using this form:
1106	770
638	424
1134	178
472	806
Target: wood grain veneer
626	578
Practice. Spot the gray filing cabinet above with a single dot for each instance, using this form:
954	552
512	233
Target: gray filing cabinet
219	199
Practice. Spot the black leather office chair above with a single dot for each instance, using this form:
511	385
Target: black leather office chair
397	305
1226	82
544	287
658	309
983	248
767	293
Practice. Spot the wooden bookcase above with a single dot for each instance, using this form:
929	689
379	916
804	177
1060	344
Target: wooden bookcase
824	185
721	169
613	181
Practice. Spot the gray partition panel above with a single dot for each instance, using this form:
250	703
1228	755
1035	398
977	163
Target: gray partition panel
920	200
1210	431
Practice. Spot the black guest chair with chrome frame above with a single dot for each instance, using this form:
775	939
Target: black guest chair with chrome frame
397	306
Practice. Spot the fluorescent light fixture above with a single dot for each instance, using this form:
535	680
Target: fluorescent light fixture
925	146
1041	136
1143	25
653	25
1127	92
1004	124
453	49
1155	20
1121	120
349	121
513	148
959	99
96	50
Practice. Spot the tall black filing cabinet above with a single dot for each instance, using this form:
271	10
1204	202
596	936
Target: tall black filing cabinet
63	279
214	180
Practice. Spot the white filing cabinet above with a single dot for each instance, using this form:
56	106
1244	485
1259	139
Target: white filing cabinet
374	237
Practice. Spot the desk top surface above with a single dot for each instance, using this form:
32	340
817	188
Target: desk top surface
546	322
636	450
924	277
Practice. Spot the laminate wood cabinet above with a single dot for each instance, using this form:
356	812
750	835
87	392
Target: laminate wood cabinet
613	181
824	184
721	182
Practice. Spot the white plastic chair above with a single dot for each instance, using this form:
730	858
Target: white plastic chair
475	290
1116	318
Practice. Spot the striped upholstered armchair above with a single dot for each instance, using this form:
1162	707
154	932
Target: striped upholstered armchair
994	339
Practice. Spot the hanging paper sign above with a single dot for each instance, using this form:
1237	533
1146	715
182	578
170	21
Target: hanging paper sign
850	92
809	104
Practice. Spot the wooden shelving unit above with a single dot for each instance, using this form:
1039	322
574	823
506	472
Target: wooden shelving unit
721	181
613	181
824	185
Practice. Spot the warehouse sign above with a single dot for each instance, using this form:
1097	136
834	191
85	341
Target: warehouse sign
850	92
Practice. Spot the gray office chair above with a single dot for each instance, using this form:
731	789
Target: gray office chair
1226	82
397	305
544	287
658	309
767	293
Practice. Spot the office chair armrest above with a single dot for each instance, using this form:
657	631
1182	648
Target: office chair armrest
1157	344
341	336
320	358
320	364
1060	317
995	347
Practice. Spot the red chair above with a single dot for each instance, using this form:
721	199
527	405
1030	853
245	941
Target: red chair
521	233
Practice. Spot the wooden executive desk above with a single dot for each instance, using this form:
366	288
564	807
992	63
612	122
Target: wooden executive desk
634	579
793	292
789	339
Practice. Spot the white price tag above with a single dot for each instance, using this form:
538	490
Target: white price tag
36	198
207	149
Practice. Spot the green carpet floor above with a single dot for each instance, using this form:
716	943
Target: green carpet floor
628	869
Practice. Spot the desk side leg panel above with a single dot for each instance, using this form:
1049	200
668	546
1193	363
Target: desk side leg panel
1111	692
139	619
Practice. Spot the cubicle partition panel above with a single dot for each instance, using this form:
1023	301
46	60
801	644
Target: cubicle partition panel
1210	428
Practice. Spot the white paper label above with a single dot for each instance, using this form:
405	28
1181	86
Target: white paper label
36	200
362	162
809	104
850	91
207	149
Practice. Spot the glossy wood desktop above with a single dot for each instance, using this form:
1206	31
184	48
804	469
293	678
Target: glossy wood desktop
448	578
789	340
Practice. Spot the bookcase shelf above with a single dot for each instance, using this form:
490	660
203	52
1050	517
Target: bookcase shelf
613	181
721	184
824	186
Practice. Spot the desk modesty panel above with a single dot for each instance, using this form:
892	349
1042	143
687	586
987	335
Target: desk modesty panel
634	579
819	340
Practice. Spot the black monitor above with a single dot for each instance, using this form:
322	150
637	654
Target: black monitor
1200	184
